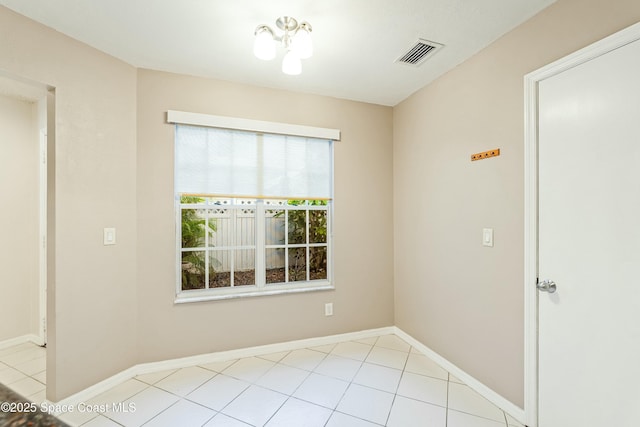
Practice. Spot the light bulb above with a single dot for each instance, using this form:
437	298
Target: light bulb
264	46
302	43
291	64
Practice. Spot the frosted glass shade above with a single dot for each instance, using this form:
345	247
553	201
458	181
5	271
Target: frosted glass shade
263	46
291	64
302	44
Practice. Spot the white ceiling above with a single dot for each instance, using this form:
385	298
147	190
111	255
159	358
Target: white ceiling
356	42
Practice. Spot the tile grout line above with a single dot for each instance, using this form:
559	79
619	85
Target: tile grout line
217	373
158	414
234	399
277	410
355	375
395	394
180	399
23	348
257	385
123	400
351	381
186	399
289	395
302	382
446	411
360	418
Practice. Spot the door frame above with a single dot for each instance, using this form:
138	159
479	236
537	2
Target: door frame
42	241
531	80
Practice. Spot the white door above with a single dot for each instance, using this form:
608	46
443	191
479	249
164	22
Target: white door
589	243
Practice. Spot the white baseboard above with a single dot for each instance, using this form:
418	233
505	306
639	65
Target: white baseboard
202	359
495	398
21	340
146	368
255	351
96	389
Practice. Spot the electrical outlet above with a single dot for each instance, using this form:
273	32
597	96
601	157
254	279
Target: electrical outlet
328	309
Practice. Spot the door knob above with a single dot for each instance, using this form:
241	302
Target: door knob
547	286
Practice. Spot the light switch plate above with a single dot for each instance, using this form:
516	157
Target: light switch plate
109	236
487	237
328	309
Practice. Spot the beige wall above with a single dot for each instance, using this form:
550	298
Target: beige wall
93	294
114	305
18	218
362	223
98	323
461	299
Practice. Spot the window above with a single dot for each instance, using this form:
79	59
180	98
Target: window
253	212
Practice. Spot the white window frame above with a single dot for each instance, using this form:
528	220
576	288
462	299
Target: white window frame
260	288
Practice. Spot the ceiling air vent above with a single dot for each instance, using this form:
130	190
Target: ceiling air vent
419	52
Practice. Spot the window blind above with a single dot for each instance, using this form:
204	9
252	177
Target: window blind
212	161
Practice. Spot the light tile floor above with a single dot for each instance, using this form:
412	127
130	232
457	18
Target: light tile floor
23	369
381	381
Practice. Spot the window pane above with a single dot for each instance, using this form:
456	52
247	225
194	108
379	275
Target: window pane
245	227
266	189
274	227
244	267
193	270
297	264
317	226
219	260
193	228
220	233
274	259
297	222
220	271
318	263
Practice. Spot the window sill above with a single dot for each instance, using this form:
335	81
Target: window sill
251	291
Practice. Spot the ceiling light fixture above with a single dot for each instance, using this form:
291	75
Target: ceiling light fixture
296	40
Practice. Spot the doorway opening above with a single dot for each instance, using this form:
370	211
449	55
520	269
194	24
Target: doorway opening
27	131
